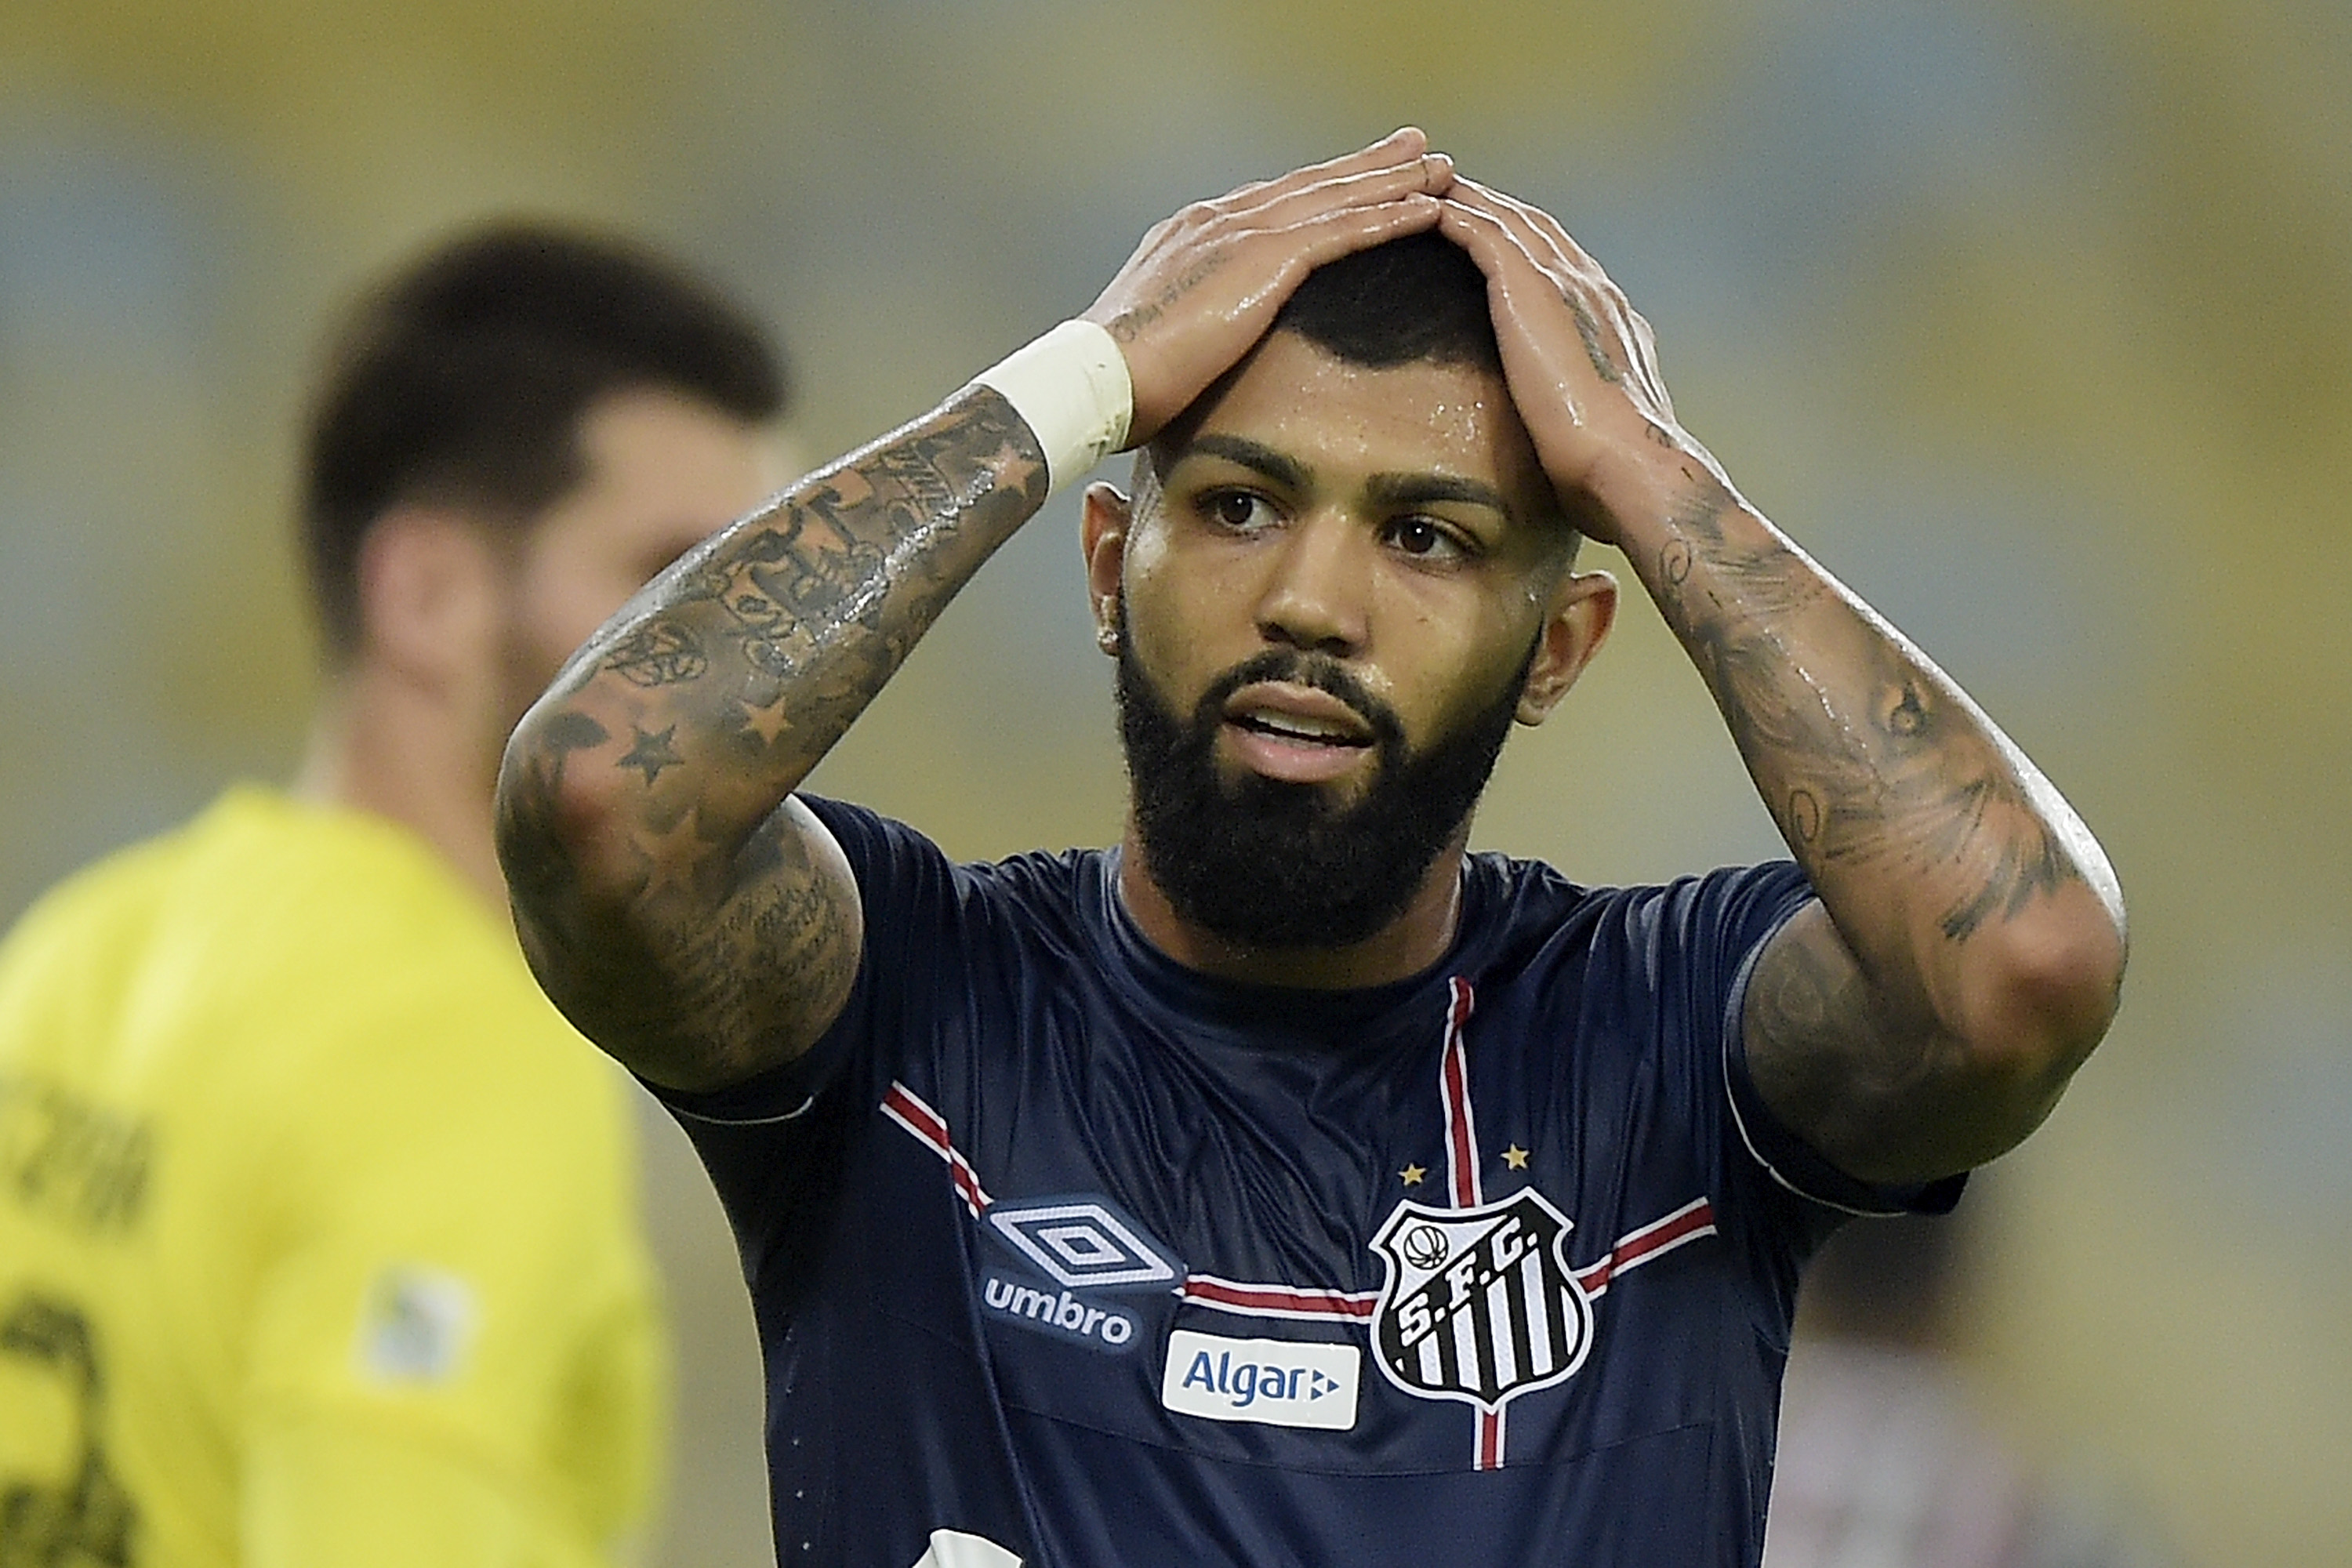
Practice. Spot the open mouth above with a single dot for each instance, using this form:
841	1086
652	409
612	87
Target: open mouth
1305	732
1296	732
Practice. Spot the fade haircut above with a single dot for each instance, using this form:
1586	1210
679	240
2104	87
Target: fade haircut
461	381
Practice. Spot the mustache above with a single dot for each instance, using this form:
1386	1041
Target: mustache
1298	667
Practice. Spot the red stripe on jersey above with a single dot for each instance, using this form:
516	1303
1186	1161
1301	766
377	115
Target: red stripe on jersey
1490	1440
905	1108
1278	1301
1454	1085
1688	1222
1462	1167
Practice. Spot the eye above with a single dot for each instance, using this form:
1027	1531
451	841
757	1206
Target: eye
1237	509
1426	539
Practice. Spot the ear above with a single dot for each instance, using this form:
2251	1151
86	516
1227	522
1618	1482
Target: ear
1104	516
428	593
1581	609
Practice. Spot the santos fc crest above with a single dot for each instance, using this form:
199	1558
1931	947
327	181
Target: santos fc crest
1480	1303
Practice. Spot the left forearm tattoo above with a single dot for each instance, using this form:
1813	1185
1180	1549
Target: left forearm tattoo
1871	762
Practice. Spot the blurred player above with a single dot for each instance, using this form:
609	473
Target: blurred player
1287	1185
318	1236
1885	1462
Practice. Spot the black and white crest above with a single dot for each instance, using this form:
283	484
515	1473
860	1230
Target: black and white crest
1480	1303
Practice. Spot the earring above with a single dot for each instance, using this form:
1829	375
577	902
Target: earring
1106	637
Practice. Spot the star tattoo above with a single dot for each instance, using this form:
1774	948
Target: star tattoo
767	722
652	752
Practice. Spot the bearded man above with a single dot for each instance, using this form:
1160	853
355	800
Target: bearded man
1287	1184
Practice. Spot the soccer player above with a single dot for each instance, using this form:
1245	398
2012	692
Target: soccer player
319	1230
1285	1184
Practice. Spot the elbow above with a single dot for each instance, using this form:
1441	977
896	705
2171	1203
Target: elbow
2041	993
553	823
555	829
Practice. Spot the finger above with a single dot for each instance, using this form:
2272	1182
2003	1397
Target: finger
1591	294
1401	145
1543	236
1327	237
1524	289
1617	339
1491	242
1227	239
1546	239
1646	348
1430	175
1181	337
1505	204
1513	274
1542	232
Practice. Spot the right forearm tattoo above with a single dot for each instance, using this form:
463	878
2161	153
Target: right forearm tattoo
775	634
714	694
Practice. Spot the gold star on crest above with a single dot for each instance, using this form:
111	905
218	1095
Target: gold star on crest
1411	1176
1515	1158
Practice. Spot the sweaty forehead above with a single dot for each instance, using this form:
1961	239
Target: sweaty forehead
1343	423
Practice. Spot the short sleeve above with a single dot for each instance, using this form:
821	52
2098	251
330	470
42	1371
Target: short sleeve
774	1143
1733	918
1792	1164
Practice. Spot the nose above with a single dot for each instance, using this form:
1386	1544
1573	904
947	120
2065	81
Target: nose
1317	591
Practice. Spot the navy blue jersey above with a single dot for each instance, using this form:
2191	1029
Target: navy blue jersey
1065	1254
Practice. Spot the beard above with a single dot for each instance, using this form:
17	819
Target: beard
1263	862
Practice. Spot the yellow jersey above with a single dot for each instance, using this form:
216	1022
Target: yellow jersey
318	1235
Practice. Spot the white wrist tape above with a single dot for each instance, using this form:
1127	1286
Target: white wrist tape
1070	387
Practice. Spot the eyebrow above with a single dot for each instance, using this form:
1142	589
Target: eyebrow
1383	489
1281	469
1412	490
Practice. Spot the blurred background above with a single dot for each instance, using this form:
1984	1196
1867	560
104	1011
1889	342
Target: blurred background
2031	317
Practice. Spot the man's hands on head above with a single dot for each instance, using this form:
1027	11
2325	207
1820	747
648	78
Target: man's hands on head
1581	364
1205	285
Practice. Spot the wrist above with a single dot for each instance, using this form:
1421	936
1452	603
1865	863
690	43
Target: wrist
1071	388
1652	488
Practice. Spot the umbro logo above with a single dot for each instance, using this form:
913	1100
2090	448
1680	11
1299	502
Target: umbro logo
1089	1249
1094	1326
1083	1242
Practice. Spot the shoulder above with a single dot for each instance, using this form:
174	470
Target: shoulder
361	971
1530	906
896	863
96	913
136	941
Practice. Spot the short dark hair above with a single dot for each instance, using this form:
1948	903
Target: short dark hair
1417	298
461	381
